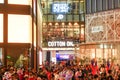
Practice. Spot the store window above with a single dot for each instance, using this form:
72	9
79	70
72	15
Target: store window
69	17
82	7
45	18
116	5
110	4
18	57
1	57
88	6
76	17
82	17
75	7
93	4
1	27
1	1
24	2
19	28
49	7
99	5
104	6
50	18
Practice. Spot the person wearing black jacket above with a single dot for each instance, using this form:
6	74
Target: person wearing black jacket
110	77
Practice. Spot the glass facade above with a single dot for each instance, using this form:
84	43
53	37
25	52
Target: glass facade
1	1
97	46
16	33
102	52
99	5
23	2
62	20
22	31
93	6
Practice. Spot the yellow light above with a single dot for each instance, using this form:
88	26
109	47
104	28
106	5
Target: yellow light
69	23
56	24
50	24
81	1
82	25
63	23
75	23
82	30
44	24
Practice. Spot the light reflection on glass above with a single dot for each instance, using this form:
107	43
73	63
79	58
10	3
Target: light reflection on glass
19	28
26	2
1	1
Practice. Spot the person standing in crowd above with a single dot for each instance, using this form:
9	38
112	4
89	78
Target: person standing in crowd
94	67
48	73
64	72
2	71
8	74
69	74
15	76
56	75
108	66
78	74
20	73
110	76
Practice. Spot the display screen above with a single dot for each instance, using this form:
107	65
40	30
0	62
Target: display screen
63	57
60	8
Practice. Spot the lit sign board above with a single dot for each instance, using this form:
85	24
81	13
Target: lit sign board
96	29
60	43
60	16
60	8
60	57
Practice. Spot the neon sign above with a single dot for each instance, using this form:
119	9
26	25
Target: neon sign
60	8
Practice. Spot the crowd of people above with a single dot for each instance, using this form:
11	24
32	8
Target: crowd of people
63	71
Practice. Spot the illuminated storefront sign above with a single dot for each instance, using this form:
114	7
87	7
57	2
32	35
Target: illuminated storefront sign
60	8
60	16
62	57
97	29
60	43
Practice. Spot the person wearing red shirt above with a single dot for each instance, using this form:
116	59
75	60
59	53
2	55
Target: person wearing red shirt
48	73
94	67
31	76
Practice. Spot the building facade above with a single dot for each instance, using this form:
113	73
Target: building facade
63	25
19	33
102	30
